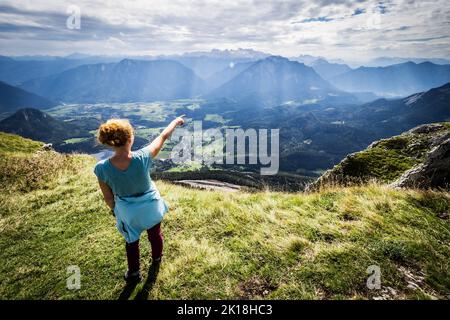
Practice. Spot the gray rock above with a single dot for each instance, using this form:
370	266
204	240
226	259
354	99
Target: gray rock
434	172
47	147
427	128
443	215
439	139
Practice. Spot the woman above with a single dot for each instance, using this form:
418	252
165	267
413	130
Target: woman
129	191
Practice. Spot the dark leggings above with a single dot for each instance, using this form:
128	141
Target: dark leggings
156	240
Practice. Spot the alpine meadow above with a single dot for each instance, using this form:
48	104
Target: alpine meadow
242	151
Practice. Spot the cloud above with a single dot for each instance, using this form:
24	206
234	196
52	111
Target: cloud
358	11
318	19
425	39
345	29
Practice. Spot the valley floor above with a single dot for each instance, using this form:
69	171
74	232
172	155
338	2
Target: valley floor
219	245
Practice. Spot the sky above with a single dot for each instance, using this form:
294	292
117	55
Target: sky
335	29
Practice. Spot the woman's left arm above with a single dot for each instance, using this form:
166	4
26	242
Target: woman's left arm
107	194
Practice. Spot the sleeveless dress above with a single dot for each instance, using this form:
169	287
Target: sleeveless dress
138	204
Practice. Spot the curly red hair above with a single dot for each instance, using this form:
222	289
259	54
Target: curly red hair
115	132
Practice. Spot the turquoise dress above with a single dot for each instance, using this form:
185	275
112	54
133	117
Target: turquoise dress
138	204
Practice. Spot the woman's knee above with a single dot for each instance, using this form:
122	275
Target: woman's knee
155	232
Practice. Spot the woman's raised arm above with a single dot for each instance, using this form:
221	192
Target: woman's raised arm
158	143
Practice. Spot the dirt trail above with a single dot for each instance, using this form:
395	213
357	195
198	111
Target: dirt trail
209	185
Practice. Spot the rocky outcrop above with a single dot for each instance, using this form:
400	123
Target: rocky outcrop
418	158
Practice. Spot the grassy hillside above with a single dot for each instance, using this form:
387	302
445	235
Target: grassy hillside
242	245
15	145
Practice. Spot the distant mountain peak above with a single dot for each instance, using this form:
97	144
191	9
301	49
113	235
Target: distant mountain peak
426	63
30	115
35	124
274	80
129	61
276	58
26	113
13	98
408	63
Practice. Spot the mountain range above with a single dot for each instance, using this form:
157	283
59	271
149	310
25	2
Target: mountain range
115	79
395	80
125	81
387	61
321	120
390	117
317	136
276	80
268	81
312	137
13	98
329	70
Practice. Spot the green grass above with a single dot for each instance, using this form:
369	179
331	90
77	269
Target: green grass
234	245
381	163
13	144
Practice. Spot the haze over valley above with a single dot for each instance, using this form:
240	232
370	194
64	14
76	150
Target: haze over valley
324	110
